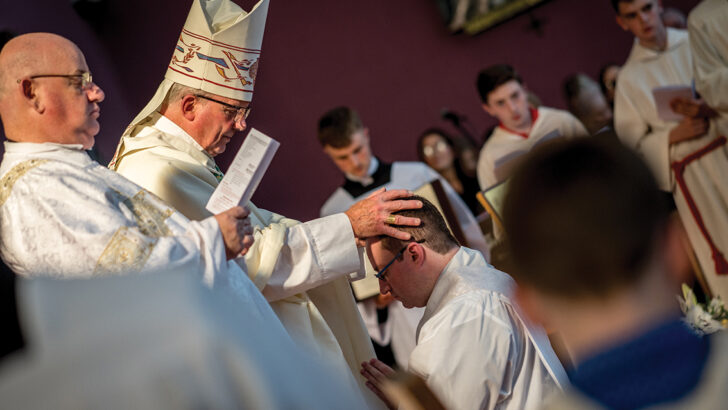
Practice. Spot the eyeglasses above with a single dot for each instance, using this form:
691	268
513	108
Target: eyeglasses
439	146
380	275
240	112
82	81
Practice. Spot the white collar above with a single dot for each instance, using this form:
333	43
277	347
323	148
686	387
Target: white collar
34	147
366	180
168	126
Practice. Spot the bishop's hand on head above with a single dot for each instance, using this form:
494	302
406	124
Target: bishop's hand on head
373	216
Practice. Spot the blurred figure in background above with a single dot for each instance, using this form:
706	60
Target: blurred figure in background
587	102
687	156
521	126
439	151
174	345
672	17
608	81
596	257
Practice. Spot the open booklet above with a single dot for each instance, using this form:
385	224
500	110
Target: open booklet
664	95
245	172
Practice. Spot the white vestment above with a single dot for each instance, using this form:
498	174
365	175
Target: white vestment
158	341
474	349
64	215
635	113
301	268
695	170
504	143
709	45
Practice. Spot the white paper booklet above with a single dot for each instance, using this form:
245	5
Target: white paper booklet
245	172
663	96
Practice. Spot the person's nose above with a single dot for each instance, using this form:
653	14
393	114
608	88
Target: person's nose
240	123
644	17
383	287
95	93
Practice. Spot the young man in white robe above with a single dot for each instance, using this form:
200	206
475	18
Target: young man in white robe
520	127
598	258
474	349
301	268
345	140
689	157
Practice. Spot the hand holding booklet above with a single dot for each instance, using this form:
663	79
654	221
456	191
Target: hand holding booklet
245	172
665	95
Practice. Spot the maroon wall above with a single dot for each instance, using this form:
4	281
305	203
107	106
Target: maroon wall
393	61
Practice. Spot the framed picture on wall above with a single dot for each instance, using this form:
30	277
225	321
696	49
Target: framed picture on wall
475	16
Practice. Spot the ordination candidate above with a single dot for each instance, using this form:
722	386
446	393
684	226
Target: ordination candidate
474	349
169	148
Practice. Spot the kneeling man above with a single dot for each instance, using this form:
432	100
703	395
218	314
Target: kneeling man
474	350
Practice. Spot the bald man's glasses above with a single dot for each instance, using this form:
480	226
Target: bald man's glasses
81	81
235	112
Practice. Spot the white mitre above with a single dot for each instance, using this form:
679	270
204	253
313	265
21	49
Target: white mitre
217	51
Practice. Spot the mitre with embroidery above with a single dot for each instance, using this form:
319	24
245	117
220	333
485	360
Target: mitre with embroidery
217	51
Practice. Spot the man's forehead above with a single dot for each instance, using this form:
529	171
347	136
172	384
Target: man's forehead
504	90
231	101
357	140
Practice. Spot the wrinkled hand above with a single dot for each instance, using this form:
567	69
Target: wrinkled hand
377	374
691	107
368	216
237	231
689	128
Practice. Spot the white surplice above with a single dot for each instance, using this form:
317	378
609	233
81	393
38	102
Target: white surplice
635	113
504	142
695	170
301	268
475	350
159	341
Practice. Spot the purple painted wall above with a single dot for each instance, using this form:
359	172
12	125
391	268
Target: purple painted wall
393	61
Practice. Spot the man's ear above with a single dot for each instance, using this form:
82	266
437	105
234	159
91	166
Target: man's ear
621	23
487	109
416	252
188	105
30	95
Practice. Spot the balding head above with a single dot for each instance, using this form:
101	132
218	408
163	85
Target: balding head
47	109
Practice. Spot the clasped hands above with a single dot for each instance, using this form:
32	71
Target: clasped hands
695	124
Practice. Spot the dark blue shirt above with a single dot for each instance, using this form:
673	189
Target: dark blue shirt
662	365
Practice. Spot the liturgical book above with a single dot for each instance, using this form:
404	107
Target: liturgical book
245	172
